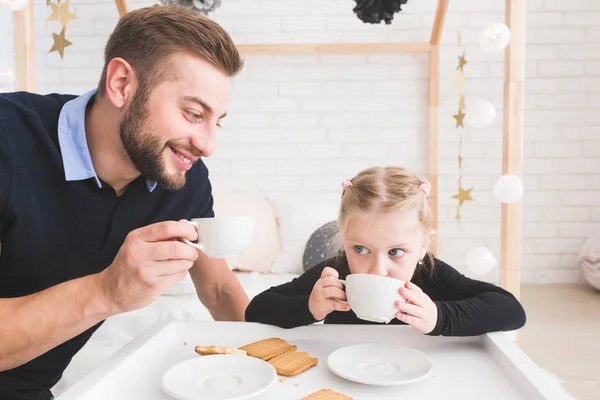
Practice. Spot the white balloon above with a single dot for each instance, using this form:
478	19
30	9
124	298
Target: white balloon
480	260
480	114
509	188
13	5
495	37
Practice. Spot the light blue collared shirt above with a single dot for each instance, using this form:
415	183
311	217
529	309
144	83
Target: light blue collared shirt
73	143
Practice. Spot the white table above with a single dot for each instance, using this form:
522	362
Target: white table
486	367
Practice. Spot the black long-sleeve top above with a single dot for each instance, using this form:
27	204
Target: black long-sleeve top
466	307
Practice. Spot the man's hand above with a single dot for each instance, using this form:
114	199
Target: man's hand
325	295
150	260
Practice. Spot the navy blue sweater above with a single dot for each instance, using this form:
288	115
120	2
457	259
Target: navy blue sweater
53	230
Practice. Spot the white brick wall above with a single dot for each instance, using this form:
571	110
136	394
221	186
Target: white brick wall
6	46
302	123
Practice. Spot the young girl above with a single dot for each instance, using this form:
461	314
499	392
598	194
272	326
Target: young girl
385	229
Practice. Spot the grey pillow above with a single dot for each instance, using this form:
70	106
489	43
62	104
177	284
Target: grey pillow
320	246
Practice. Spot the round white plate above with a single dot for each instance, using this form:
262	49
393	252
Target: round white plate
219	377
380	364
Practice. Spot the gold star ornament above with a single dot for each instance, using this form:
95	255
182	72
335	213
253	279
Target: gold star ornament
61	13
463	195
459	118
461	62
60	43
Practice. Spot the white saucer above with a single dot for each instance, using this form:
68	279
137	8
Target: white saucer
219	377
379	364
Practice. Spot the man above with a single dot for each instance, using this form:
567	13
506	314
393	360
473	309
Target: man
94	191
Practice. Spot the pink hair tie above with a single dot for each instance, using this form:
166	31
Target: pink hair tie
425	186
347	183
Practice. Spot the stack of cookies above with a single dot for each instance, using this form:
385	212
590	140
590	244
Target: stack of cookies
283	356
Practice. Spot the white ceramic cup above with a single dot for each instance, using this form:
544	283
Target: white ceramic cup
373	297
223	237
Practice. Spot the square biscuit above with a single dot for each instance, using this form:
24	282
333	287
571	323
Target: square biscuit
267	349
292	363
327	394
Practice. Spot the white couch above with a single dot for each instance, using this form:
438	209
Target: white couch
284	224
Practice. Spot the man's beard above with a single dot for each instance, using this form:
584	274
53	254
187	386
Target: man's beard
140	140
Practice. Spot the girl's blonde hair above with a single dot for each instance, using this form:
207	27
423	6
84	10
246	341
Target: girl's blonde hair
385	190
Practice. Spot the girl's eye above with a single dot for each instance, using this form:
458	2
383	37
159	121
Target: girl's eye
360	249
396	252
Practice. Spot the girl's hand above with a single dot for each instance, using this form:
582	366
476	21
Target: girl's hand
323	297
419	311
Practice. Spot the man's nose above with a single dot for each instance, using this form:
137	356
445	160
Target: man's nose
205	142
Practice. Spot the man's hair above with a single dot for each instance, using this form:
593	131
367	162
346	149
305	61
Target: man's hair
146	38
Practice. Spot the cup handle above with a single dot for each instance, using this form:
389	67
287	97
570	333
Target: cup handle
197	245
338	300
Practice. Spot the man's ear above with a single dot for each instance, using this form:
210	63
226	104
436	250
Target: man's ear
121	82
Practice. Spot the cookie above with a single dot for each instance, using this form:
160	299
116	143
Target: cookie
327	394
267	349
211	350
292	363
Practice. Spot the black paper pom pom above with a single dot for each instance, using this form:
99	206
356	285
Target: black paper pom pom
375	11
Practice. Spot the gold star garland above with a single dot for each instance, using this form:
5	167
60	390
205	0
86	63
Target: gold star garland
61	14
460	84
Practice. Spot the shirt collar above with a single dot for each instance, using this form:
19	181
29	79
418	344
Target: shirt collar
73	143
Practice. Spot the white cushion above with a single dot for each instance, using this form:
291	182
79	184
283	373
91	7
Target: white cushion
265	247
589	260
298	217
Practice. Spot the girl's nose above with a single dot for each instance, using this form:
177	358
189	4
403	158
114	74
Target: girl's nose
379	266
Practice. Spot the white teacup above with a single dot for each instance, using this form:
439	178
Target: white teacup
223	237
373	297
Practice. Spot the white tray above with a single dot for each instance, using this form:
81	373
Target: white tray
486	367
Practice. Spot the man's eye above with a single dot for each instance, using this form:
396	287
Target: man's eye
194	116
